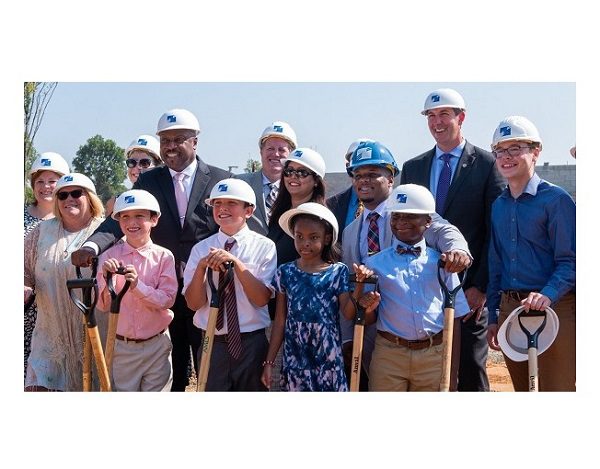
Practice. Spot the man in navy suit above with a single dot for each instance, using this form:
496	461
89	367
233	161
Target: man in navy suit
178	131
464	180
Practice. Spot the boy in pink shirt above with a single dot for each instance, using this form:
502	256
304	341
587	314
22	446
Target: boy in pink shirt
142	355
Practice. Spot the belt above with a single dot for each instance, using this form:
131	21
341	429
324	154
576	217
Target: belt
413	344
517	295
223	337
137	341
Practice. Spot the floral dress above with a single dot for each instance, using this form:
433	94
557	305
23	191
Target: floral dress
312	351
30	313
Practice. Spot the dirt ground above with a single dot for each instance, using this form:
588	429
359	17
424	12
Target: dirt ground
497	374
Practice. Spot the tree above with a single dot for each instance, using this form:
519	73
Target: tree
104	163
37	96
252	166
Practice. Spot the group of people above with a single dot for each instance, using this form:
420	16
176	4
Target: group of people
283	256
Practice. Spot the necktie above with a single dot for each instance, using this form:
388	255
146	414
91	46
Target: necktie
359	209
373	234
416	251
270	200
443	183
228	306
180	196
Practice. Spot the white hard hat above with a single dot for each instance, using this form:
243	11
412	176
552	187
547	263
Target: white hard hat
516	128
309	158
411	198
75	179
135	199
146	143
178	119
513	341
310	208
232	189
444	97
279	129
354	145
50	161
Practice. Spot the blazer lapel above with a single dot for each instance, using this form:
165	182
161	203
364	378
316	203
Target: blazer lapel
257	187
463	169
166	184
423	175
199	189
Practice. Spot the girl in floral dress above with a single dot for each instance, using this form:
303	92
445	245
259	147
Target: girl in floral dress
310	293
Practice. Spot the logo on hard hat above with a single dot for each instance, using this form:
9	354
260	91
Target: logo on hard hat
171	118
298	153
129	199
142	141
68	178
504	131
401	198
435	98
46	162
363	154
278	128
222	188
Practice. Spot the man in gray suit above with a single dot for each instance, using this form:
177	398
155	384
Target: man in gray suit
276	142
464	181
373	168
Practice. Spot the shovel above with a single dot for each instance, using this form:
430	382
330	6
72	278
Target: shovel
357	341
532	342
113	318
87	306
449	302
209	335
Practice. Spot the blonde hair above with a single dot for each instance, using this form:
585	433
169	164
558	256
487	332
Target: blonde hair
96	206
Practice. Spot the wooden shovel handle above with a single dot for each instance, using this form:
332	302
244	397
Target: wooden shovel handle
207	346
447	349
99	358
533	369
113	320
357	348
87	362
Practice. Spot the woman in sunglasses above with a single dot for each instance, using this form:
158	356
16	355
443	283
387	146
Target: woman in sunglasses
56	358
141	155
45	171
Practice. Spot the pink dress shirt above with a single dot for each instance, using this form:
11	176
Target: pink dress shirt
144	310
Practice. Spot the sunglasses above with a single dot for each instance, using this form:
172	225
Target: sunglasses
301	173
143	162
64	195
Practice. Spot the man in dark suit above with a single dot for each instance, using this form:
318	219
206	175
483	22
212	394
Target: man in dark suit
345	205
465	182
276	142
178	229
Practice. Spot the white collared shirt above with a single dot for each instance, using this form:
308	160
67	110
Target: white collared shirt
258	254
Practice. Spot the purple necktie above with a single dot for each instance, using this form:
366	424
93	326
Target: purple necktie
373	234
180	196
228	304
443	183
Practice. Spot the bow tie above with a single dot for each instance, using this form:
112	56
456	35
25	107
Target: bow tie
414	251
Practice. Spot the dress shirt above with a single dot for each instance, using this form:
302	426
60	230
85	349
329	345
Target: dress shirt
412	302
438	163
258	254
364	229
532	244
188	182
144	309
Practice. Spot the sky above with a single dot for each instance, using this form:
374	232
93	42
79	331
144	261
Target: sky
238	66
326	116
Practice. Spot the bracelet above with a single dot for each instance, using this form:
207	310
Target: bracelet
271	363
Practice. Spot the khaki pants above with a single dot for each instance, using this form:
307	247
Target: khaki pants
398	368
556	366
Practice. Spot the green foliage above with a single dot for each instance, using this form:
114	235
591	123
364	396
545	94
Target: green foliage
103	162
252	166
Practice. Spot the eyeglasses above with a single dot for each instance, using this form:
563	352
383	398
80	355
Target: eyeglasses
177	140
515	150
143	162
301	173
64	195
368	176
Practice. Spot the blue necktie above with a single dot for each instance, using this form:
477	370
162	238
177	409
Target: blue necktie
443	183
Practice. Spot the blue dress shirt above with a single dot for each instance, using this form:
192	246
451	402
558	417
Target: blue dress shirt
532	244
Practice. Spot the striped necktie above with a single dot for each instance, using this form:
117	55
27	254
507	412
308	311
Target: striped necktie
270	200
373	234
228	306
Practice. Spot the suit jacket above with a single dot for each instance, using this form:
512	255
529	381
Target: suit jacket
258	221
168	232
476	184
338	204
441	236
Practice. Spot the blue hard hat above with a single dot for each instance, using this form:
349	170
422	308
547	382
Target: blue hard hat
372	154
